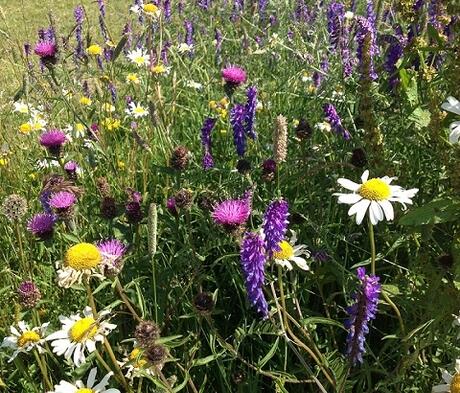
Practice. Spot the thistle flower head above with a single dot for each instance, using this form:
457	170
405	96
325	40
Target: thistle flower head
252	255
361	312
41	225
53	140
62	200
46	50
112	252
28	294
275	224
180	158
231	213
234	75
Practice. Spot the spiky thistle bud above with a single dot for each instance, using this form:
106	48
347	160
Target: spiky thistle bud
203	302
180	158
184	198
146	333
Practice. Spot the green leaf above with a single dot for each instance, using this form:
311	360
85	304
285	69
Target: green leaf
391	289
434	212
119	47
207	359
321	321
270	353
420	117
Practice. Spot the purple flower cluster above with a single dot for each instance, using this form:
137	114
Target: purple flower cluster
79	14
206	130
41	225
232	213
112	252
237	120
367	47
335	18
361	312
275	224
250	111
333	118
252	255
189	34
167	10
53	140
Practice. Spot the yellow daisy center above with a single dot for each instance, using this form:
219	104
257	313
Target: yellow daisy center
27	338
286	251
150	8
139	60
136	358
375	190
25	128
82	256
158	69
84	390
455	384
84	329
139	110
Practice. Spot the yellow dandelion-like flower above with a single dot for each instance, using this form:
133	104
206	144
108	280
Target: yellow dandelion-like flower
94	50
85	101
25	128
82	256
3	161
111	124
133	78
121	165
212	104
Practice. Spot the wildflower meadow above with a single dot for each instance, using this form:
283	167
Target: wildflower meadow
230	196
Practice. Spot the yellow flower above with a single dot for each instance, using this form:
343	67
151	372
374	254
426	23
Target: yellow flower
133	78
223	131
94	50
85	101
295	122
111	124
82	256
159	69
121	165
108	107
150	9
224	102
3	161
33	176
25	128
79	128
212	104
311	88
223	113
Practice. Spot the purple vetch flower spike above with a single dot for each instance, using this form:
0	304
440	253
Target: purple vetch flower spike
79	14
250	112
275	224
262	8
252	255
102	25
218	39
207	161
208	125
333	118
188	24
367	48
167	9
361	313
335	18
128	33
164	52
237	116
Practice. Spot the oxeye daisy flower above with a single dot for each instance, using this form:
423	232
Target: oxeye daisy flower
290	252
160	69
89	387
133	78
24	339
450	383
79	334
136	110
80	259
112	252
139	57
148	9
453	105
375	195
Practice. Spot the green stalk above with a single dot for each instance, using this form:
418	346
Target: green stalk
42	366
372	242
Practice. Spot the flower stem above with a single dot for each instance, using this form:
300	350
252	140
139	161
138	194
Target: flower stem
126	301
42	366
372	241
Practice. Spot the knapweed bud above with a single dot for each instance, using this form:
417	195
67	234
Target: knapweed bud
28	294
146	333
303	130
14	207
268	170
156	355
184	198
180	158
108	208
243	166
203	302
358	158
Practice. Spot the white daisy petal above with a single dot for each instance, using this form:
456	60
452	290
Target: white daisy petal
91	378
365	176
301	262
359	209
349	198
377	211
452	105
387	209
441	389
348	184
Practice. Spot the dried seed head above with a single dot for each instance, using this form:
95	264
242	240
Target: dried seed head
146	333
180	158
103	186
358	158
203	302
243	166
184	198
14	207
28	294
156	355
108	208
280	139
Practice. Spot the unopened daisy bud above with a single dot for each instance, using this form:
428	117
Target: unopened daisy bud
28	294
280	139
146	333
204	302
184	198
180	158
156	355
268	170
14	207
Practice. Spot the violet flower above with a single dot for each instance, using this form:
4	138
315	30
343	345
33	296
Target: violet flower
333	118
79	14
335	18
206	130
237	117
361	312
250	112
275	224
252	255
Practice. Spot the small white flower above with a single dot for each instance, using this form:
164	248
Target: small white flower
46	164
37	121
453	105
184	48
22	107
194	85
323	126
139	57
136	110
375	195
452	382
89	387
79	334
290	252
349	15
23	339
